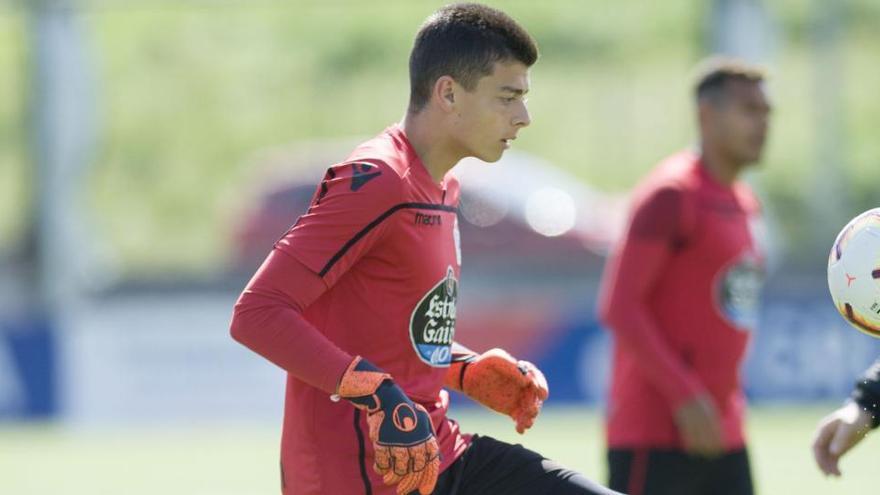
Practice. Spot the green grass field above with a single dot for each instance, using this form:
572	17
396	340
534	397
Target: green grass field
216	459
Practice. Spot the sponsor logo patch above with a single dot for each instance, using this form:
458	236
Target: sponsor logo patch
739	292
432	325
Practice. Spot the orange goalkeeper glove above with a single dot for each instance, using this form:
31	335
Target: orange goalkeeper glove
405	450
501	383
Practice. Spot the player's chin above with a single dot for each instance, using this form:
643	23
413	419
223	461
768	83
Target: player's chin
753	151
753	157
492	156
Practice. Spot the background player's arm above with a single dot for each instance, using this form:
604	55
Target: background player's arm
655	228
867	393
844	428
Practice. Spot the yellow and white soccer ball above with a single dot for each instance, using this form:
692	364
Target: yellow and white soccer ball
854	272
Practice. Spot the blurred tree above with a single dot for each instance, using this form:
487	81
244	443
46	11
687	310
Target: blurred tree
62	109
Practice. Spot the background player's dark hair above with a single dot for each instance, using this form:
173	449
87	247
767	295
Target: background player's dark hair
464	41
714	73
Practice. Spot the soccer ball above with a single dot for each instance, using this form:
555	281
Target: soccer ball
854	272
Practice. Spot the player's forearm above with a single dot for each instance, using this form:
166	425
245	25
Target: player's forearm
867	393
268	320
284	337
638	334
624	309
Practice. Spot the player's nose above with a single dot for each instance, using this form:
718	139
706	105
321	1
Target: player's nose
522	117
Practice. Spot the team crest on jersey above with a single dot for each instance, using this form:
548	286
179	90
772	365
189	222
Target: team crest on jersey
739	292
432	325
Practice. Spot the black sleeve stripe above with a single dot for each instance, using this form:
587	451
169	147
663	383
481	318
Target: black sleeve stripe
867	393
362	453
330	175
375	223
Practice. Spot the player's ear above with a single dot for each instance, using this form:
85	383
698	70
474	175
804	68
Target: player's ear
444	93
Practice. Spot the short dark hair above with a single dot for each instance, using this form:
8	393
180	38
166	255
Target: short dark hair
464	41
714	73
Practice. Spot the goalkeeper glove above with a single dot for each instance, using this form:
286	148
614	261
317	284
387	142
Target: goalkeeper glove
501	383
405	450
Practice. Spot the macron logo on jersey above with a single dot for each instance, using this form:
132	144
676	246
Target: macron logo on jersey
428	220
361	173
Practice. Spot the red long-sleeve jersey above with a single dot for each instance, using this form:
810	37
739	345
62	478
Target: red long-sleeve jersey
680	297
371	269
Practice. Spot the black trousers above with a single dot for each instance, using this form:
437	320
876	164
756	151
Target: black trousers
674	472
490	467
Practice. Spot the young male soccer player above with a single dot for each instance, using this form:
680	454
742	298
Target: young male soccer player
357	301
844	428
679	295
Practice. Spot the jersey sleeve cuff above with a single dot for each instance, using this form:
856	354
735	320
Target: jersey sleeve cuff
869	403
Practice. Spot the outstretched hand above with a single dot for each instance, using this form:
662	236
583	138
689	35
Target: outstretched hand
837	434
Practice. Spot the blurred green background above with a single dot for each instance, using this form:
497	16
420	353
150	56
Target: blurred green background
188	91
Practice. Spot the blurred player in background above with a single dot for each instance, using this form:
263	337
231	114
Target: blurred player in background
844	428
680	297
357	302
